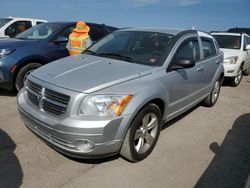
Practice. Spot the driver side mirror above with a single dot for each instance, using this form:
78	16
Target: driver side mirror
183	63
10	32
247	47
61	40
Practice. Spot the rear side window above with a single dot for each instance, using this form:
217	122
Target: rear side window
208	47
189	49
17	28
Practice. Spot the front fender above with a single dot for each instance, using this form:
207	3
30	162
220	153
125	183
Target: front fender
146	93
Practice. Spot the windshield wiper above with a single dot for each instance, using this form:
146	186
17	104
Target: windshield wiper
119	56
90	52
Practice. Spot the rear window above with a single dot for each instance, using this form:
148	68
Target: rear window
228	41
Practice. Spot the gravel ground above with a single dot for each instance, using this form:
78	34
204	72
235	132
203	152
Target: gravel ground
206	147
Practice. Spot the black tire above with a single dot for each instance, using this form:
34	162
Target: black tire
246	72
214	95
235	81
23	73
148	137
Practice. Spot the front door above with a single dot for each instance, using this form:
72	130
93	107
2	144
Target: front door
185	85
59	48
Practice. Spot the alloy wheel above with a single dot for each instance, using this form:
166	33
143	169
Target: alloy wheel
216	91
237	79
146	133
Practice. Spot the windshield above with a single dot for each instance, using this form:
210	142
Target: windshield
4	21
133	46
39	32
228	41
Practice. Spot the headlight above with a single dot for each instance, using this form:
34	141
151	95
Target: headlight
231	60
4	52
104	105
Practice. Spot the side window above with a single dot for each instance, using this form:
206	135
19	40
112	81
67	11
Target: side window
189	49
245	42
208	47
63	37
66	32
248	40
17	27
97	32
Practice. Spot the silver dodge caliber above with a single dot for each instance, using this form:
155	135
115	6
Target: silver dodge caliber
115	97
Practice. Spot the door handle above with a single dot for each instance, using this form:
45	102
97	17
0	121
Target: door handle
201	68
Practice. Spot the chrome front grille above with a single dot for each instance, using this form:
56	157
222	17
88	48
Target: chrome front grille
46	99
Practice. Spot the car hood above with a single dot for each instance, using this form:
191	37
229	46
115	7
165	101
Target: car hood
14	43
87	73
230	52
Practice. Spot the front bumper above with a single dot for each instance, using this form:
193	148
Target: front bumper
230	70
81	138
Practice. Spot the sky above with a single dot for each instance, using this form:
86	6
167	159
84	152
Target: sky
207	15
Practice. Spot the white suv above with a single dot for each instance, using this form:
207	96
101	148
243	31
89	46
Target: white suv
11	26
236	48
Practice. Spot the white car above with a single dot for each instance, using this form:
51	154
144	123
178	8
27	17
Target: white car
236	48
11	26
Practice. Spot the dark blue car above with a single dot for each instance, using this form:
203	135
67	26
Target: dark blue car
37	46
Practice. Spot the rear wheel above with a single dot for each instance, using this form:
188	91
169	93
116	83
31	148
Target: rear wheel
143	134
237	79
23	74
214	95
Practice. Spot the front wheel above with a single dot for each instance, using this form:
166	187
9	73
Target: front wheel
143	134
214	95
23	74
237	79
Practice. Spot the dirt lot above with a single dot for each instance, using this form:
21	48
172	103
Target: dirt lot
207	147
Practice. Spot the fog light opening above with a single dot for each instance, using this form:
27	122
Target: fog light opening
84	145
230	71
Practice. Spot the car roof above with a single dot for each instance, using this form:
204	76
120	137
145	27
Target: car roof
19	18
171	31
72	23
157	30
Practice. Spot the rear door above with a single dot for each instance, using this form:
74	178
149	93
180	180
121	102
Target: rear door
210	61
